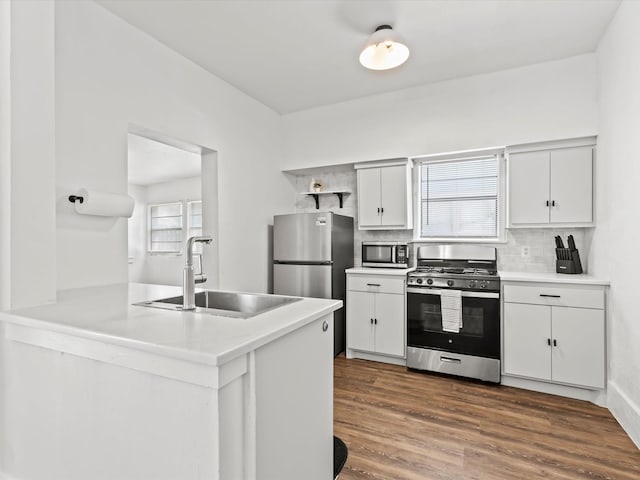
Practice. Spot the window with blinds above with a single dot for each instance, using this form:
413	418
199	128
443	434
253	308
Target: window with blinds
459	198
194	214
165	228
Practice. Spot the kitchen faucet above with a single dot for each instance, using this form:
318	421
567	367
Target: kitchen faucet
189	278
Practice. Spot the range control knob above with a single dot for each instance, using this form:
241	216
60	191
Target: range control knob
472	283
450	283
430	281
419	281
483	285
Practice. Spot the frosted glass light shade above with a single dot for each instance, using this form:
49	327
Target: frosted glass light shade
385	49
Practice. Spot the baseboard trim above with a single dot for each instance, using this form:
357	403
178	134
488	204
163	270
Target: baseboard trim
376	358
594	396
625	411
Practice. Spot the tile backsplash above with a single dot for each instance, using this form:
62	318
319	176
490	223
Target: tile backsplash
525	249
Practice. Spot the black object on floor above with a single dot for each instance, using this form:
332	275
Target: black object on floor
340	454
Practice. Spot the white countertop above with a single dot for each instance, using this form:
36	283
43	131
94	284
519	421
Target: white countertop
579	279
380	271
106	314
506	276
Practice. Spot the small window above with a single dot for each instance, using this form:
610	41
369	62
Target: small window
194	210
195	218
459	198
165	228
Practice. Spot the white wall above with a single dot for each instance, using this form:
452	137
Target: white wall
108	74
162	269
553	100
617	235
27	166
137	233
5	155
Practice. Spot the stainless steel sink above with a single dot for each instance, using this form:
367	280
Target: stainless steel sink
226	304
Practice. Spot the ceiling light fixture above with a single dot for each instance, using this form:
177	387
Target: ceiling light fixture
385	49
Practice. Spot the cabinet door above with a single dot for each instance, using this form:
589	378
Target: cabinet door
294	405
360	312
393	196
369	197
529	187
572	185
390	324
527	331
578	352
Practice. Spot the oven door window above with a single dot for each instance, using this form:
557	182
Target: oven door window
479	335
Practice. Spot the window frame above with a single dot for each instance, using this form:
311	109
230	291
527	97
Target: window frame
499	152
197	247
150	229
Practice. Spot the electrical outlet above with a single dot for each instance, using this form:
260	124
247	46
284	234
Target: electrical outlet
525	251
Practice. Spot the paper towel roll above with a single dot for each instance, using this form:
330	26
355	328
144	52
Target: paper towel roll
104	204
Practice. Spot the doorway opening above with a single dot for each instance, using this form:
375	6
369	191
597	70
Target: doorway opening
174	185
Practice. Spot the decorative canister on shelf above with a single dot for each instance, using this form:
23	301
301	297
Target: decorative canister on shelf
316	185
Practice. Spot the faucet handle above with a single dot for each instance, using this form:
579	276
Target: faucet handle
200	278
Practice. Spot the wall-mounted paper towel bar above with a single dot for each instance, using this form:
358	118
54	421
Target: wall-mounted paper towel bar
102	204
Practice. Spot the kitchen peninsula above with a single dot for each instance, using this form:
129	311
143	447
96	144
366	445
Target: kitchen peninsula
99	388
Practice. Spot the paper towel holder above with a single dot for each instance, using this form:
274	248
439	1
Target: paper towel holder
73	198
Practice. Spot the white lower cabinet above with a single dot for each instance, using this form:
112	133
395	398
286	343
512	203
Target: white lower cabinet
294	404
552	339
376	315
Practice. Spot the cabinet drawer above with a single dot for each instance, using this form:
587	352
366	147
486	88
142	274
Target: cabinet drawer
369	283
553	294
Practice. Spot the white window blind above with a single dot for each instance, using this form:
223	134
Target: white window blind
459	198
194	210
165	228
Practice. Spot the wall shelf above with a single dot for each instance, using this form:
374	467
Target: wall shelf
316	195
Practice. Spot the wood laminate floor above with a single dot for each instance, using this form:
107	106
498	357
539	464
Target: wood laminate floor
405	425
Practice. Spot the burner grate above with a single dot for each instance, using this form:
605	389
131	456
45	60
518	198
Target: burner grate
456	270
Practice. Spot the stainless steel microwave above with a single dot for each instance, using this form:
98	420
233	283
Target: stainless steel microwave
385	254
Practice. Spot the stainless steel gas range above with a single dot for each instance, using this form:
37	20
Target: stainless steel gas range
453	311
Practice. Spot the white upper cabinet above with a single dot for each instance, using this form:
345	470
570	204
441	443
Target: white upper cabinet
571	185
384	195
529	188
552	187
369	197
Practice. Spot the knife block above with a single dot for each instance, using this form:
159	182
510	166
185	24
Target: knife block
568	261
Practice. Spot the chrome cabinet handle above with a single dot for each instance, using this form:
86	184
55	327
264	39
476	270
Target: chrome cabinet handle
373	284
325	326
550	296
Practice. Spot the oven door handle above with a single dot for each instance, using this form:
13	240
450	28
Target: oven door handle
437	291
450	359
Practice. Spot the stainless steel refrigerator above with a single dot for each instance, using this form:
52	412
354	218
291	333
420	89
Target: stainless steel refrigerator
310	254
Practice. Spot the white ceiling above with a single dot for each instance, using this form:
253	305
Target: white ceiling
293	55
152	162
